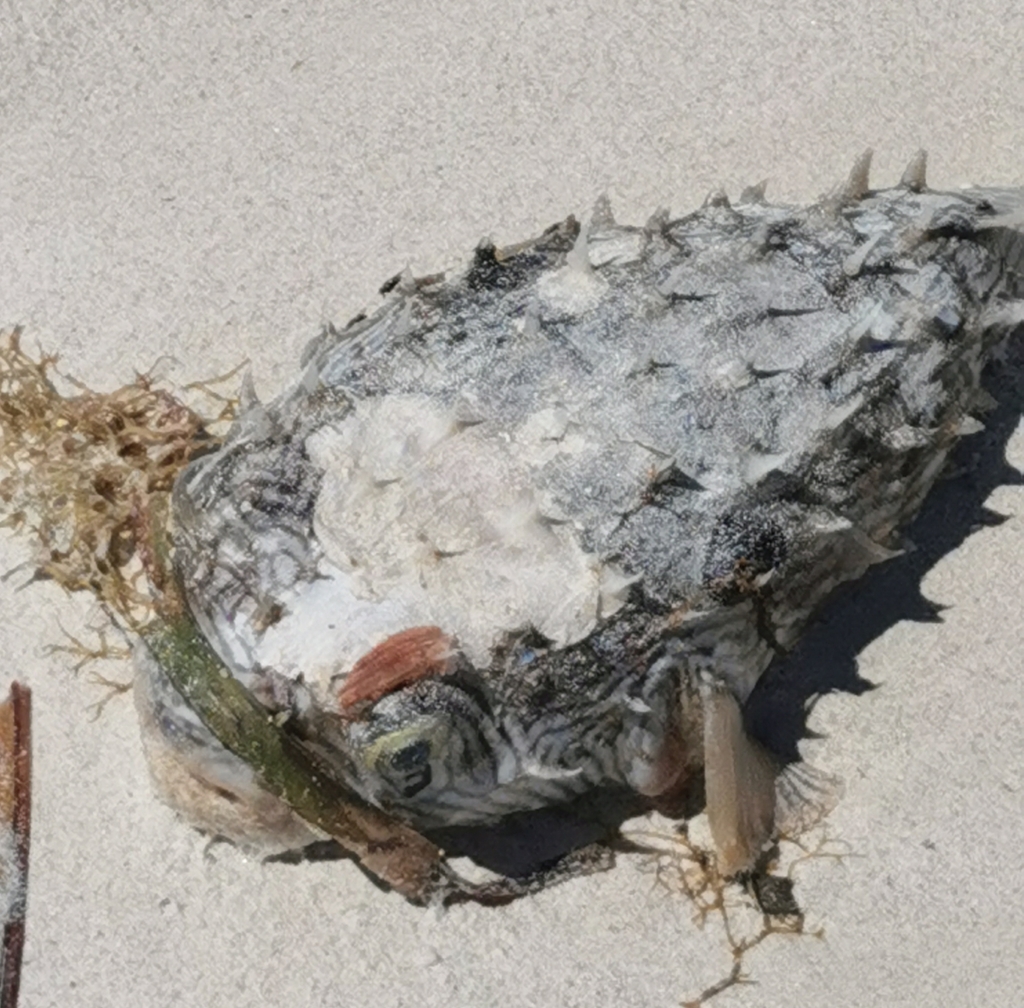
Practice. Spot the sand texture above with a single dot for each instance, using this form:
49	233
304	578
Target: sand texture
210	183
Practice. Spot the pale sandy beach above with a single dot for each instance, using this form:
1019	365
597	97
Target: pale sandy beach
214	182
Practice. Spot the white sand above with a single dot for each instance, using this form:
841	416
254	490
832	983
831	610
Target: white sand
214	182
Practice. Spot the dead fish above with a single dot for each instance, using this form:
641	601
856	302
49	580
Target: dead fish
539	527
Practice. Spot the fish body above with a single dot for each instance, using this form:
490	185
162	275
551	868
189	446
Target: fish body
540	527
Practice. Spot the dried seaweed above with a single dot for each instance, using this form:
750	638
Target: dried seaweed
88	475
750	908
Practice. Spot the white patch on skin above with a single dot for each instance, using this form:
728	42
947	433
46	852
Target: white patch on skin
733	375
327	628
444	526
637	705
539	771
549	424
757	465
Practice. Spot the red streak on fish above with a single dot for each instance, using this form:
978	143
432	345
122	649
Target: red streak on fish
404	658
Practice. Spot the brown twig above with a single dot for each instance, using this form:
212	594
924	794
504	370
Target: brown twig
17	771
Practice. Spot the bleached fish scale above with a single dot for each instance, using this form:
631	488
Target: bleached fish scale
805	370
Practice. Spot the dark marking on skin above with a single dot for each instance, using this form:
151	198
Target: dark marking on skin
505	269
743	546
674	297
488	272
791	312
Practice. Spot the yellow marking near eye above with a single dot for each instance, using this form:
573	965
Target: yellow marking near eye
388	745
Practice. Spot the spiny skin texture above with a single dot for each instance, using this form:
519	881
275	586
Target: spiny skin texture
618	467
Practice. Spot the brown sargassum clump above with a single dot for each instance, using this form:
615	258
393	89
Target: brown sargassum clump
88	475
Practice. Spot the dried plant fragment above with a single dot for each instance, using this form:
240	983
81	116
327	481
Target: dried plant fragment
750	908
88	473
15	817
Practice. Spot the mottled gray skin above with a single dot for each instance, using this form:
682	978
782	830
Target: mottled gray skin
761	398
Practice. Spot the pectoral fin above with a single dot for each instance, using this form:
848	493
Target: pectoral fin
739	781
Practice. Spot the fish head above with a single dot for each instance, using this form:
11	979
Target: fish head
428	750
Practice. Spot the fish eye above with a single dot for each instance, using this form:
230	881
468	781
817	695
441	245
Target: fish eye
405	767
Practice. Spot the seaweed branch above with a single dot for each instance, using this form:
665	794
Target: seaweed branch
750	909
